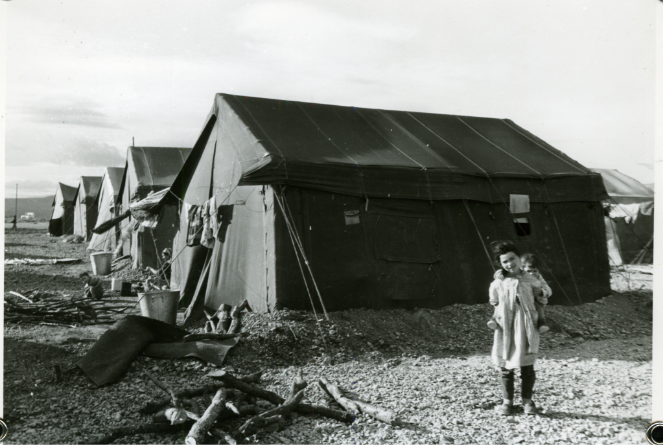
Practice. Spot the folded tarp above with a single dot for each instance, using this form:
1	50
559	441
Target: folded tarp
212	351
117	348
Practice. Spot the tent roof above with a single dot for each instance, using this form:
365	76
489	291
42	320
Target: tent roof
153	168
90	185
619	185
68	192
114	175
367	152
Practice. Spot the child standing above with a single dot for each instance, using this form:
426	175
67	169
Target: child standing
93	286
516	344
531	265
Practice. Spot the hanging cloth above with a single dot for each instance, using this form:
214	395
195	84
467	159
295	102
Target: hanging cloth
195	226
215	217
207	238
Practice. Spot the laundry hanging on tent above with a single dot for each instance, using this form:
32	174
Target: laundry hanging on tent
195	226
215	217
207	235
630	212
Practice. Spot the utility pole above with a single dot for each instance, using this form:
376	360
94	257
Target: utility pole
15	210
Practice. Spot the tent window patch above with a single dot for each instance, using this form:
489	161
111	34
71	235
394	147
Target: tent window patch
519	203
351	217
405	239
523	227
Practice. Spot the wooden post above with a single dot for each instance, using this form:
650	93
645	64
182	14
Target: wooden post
16	210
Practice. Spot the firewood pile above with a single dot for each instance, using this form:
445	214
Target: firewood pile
236	402
49	308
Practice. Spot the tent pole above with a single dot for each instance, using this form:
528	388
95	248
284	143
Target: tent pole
16	209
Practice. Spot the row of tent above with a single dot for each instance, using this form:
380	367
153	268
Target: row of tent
324	207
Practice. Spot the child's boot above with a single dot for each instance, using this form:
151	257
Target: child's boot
505	409
543	327
530	408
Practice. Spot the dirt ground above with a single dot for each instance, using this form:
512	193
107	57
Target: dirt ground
432	367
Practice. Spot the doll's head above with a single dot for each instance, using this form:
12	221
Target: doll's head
530	263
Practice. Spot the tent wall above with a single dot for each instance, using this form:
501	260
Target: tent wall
79	216
62	219
237	268
151	169
634	237
105	205
188	263
147	244
394	253
408	253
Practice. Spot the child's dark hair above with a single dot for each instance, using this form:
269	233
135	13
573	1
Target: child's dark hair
531	260
500	248
83	274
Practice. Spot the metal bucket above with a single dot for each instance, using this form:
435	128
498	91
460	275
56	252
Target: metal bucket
116	284
101	262
160	305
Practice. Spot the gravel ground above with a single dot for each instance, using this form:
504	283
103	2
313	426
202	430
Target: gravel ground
432	367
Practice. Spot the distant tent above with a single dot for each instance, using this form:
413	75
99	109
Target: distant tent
629	219
85	213
387	209
62	218
150	169
623	189
107	202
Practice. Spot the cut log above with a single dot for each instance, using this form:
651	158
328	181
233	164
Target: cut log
173	398
231	406
211	336
21	296
251	378
154	406
255	423
355	406
297	385
204	424
303	408
164	416
333	390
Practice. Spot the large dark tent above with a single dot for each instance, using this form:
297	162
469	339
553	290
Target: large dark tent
629	218
150	169
62	219
375	208
85	213
107	204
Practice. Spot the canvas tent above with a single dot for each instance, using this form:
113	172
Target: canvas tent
629	218
106	202
62	218
85	213
150	169
378	209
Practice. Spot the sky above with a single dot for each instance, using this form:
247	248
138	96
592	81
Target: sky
84	78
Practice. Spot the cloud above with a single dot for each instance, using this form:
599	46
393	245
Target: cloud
59	148
41	179
30	188
81	114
